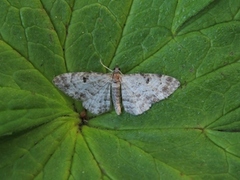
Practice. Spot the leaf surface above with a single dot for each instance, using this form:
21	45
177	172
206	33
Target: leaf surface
194	134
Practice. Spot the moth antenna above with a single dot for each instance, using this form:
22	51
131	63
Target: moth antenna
105	66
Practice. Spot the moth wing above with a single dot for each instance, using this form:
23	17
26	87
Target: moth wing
91	88
140	91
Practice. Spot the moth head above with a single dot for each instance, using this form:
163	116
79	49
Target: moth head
117	69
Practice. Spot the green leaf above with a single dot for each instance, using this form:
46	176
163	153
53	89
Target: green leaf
194	134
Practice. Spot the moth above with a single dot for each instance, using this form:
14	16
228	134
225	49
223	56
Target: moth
98	91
